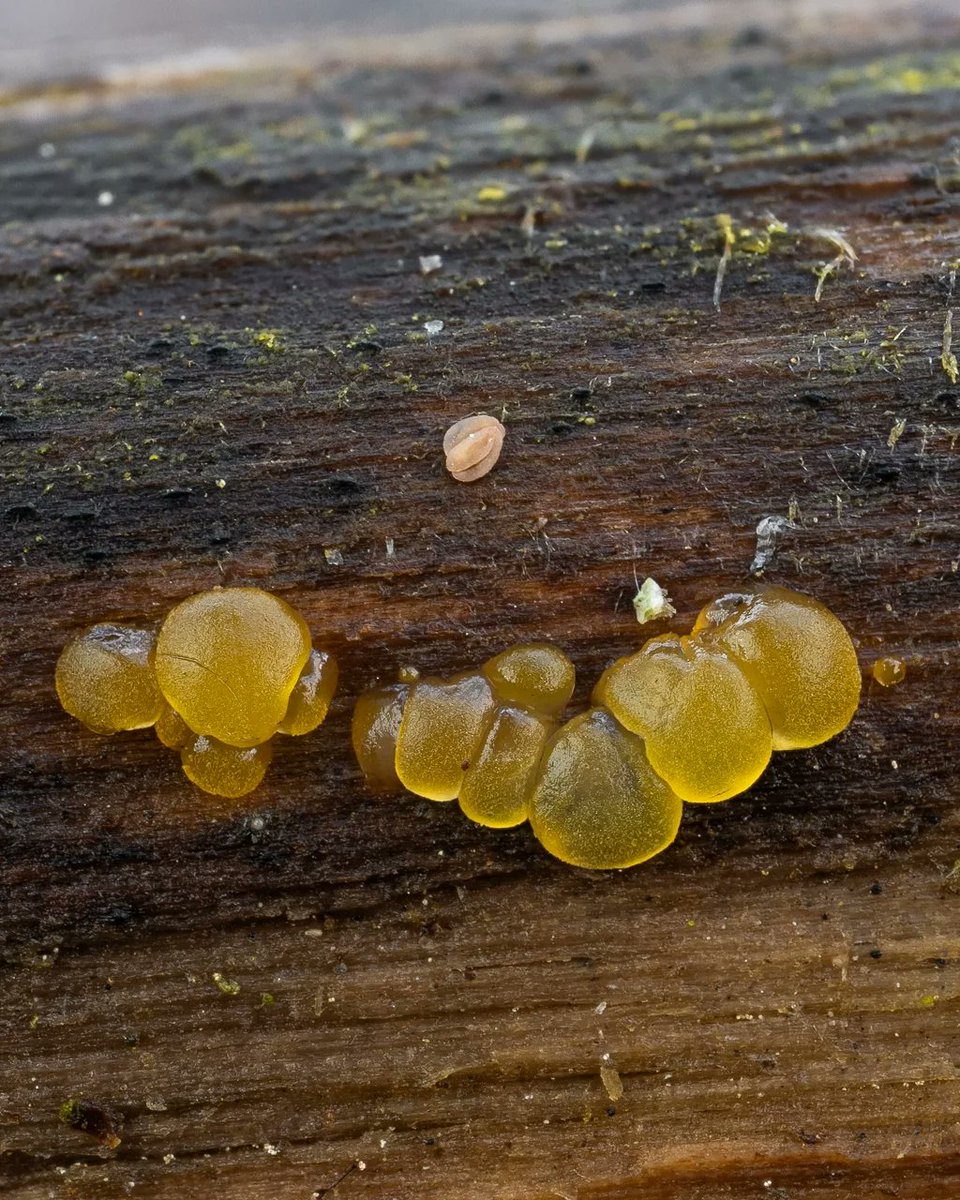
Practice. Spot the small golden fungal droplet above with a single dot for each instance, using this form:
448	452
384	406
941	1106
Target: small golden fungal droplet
105	679
225	770
889	671
172	729
472	447
311	695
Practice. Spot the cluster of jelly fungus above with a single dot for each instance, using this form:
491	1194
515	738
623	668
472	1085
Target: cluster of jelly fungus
706	730
104	678
228	669
797	656
598	803
227	661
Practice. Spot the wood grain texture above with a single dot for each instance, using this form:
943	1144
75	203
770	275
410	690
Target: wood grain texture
223	375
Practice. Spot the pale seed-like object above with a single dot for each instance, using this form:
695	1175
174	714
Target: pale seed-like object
472	447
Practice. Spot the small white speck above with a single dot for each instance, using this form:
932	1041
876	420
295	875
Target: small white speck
47	150
601	1008
168	1159
361	1165
271	1149
432	328
391	549
221	483
105	199
333	556
430	263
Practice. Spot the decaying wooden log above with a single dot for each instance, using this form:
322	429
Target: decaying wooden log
217	368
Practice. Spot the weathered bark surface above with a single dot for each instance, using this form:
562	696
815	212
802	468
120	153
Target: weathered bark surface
223	374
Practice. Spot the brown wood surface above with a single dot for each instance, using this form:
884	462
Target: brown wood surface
222	377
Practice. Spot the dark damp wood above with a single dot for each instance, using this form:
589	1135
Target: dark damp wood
223	377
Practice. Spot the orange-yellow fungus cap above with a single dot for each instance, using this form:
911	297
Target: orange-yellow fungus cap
537	676
374	731
443	727
225	770
796	654
497	786
310	699
598	803
706	730
105	679
227	661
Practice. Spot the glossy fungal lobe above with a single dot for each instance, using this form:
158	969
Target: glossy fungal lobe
374	731
310	699
795	653
472	447
227	661
706	730
105	679
598	802
224	770
441	731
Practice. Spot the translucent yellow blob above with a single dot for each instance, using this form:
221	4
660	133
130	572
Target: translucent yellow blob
227	661
374	732
172	729
311	695
536	676
441	733
706	730
225	770
889	671
104	678
497	786
598	803
796	654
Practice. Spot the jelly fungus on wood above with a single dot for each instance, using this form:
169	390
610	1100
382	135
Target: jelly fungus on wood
690	718
228	669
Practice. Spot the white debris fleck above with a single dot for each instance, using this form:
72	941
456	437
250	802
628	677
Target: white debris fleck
390	547
105	199
333	555
271	1149
168	1159
432	328
430	264
651	602
768	530
47	150
601	1008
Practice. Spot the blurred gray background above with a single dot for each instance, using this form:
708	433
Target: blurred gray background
40	39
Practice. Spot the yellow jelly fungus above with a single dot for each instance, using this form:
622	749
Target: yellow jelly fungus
536	676
172	729
496	787
104	678
796	654
889	671
311	695
227	661
598	803
706	730
374	732
442	730
225	770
